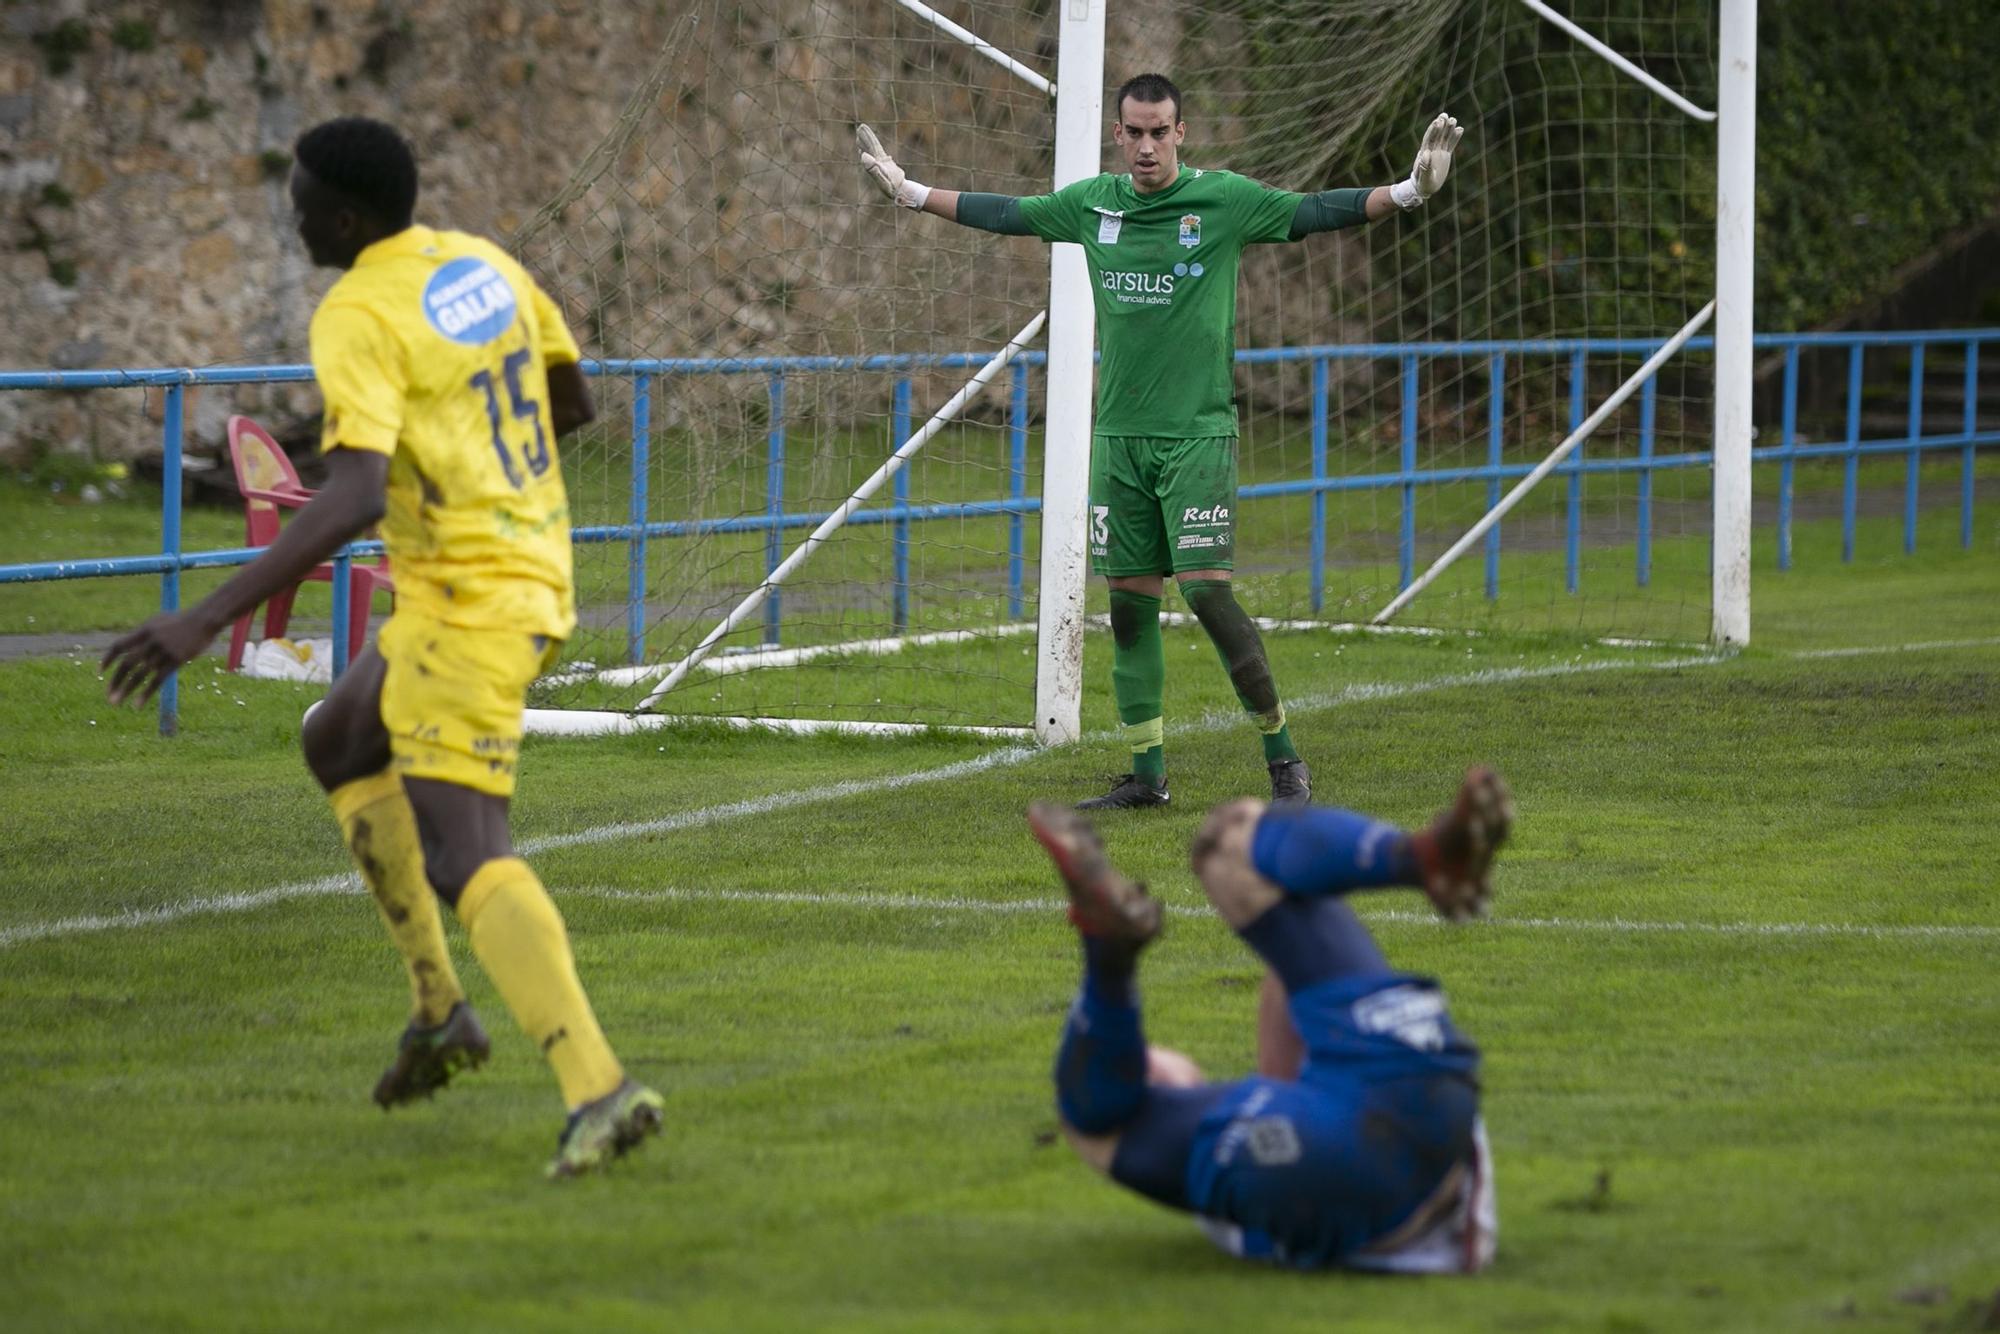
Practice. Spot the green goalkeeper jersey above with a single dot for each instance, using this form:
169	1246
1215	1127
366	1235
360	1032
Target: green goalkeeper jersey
1163	271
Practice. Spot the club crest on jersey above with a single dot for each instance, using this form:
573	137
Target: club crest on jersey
469	301
1109	222
1190	230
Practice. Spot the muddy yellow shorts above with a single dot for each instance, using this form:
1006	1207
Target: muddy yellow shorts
452	699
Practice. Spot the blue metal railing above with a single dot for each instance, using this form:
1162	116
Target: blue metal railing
900	515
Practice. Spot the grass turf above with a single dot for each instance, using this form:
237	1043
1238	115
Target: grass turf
1737	1005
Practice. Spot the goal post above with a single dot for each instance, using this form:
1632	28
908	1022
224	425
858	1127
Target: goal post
1079	133
781	329
1733	312
1735	272
774	333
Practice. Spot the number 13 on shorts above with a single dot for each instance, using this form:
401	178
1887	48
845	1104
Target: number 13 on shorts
1100	529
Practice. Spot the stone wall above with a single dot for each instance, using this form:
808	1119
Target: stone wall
144	153
681	175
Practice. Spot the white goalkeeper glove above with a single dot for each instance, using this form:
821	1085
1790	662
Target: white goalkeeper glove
876	161
1433	164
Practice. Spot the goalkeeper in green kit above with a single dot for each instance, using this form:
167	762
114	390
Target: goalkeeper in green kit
1163	245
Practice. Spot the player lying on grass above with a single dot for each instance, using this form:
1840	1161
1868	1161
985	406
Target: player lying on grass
1163	243
1359	1143
448	376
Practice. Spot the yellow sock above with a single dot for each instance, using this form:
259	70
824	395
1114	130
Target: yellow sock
381	832
519	938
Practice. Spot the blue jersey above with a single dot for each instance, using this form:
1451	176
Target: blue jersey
1316	1170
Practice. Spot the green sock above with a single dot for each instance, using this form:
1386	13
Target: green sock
1214	604
1138	678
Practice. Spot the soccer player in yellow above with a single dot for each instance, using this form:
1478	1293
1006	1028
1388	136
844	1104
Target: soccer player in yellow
448	376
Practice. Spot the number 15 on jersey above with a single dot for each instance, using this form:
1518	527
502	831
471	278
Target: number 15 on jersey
535	453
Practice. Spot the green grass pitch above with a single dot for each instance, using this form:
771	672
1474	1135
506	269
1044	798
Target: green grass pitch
1738	1003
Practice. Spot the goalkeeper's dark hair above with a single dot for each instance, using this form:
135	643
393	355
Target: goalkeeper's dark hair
369	162
1149	88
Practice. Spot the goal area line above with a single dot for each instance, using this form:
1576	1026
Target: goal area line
18	933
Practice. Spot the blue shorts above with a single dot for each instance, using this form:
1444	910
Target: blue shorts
1317	1169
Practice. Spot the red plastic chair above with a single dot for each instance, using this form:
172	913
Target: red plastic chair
269	484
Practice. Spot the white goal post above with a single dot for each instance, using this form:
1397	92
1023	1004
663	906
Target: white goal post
1072	347
1070	372
779	344
1735	267
1735	120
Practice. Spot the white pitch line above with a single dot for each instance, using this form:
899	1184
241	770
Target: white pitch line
1865	650
1043	907
1012	755
1632	926
779	801
250	900
1053	907
134	918
808	899
350	883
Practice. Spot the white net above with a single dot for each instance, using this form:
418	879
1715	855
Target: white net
791	328
1574	236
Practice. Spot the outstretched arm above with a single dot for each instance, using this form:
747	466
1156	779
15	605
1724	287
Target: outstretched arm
351	500
988	213
1332	209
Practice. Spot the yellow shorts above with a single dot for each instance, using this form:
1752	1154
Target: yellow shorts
452	699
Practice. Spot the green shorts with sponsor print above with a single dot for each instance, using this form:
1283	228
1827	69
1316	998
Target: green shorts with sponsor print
1160	506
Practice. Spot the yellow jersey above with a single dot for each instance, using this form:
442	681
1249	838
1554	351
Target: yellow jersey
433	349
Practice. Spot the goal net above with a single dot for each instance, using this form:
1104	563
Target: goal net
774	331
1396	381
789	330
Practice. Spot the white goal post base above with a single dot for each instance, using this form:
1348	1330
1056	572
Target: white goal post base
607	722
611	722
743	660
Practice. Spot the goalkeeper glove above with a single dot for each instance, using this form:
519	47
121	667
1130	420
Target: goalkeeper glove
876	161
1433	164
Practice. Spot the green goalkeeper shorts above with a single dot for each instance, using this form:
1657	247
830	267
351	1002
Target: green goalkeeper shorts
1161	506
